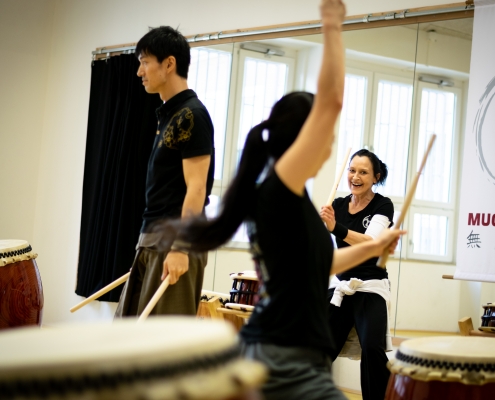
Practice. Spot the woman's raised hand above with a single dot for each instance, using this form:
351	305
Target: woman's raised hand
332	13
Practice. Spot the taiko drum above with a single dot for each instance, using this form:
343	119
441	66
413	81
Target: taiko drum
165	358
443	367
21	292
245	288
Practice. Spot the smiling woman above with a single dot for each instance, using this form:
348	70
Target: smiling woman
356	218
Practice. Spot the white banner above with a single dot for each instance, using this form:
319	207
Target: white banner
476	233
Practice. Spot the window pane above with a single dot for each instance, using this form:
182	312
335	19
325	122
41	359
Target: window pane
209	77
437	116
263	84
392	127
241	234
351	127
211	210
430	234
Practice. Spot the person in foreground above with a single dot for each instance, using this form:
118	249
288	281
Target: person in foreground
360	296
179	178
292	250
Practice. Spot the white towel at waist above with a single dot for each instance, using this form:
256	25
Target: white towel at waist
342	288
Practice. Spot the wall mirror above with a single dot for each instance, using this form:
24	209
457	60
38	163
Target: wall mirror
402	84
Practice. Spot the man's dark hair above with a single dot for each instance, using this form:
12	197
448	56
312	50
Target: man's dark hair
164	42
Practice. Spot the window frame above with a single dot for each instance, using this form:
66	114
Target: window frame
449	208
451	230
217	183
369	75
234	119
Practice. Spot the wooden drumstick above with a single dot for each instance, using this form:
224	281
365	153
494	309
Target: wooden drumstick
158	294
407	202
337	181
101	292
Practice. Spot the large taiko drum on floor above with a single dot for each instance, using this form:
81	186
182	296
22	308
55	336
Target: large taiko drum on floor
21	292
443	367
163	358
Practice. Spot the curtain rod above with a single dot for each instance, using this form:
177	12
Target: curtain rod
366	19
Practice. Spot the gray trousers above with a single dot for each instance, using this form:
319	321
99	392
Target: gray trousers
179	299
294	372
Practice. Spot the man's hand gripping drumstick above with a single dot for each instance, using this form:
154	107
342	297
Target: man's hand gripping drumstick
407	202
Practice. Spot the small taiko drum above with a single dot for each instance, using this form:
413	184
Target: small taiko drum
163	358
488	317
244	288
21	293
443	367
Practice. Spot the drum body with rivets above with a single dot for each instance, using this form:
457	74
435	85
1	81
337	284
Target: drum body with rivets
245	288
162	358
21	292
444	367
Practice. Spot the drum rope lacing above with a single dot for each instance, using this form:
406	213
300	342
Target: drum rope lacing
69	384
223	301
16	252
445	364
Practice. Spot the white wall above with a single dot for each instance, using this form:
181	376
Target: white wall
25	47
44	93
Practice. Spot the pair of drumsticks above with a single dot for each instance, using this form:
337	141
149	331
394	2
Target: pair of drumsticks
381	261
152	303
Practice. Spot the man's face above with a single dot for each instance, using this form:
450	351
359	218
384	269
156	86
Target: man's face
152	73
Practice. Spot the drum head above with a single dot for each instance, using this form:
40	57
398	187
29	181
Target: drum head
166	357
247	275
12	251
470	360
12	245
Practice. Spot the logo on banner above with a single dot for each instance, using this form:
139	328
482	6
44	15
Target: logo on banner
474	240
485	122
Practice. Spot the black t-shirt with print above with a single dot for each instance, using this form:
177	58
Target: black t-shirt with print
184	131
294	267
359	222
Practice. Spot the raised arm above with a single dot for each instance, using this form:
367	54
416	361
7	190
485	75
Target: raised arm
313	144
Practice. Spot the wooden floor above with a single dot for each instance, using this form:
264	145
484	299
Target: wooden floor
352	396
415	334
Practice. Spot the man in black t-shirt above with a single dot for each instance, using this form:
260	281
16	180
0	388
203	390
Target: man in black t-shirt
179	178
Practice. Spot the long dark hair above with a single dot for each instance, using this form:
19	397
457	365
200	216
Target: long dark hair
379	167
269	139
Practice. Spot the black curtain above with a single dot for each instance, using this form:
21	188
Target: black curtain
121	129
